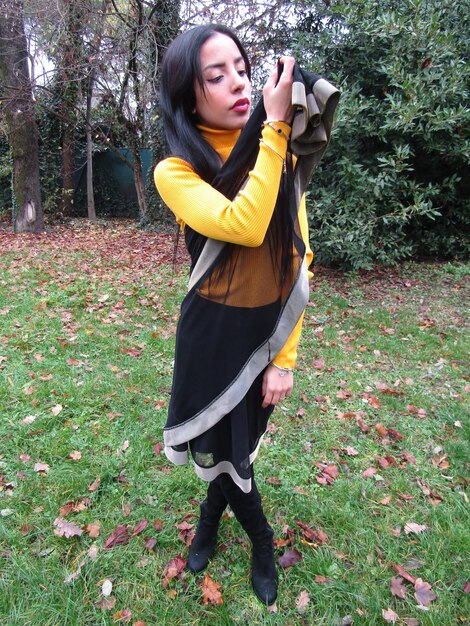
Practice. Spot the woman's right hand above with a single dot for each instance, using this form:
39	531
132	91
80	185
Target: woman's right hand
278	97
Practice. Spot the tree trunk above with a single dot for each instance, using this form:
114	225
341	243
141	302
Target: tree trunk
71	76
140	185
18	108
90	196
89	99
68	168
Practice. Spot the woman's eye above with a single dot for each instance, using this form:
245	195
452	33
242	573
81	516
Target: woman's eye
216	79
242	72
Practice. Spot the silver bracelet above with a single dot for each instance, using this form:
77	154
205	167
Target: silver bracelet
282	370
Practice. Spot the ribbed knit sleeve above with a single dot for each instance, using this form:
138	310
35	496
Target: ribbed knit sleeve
244	220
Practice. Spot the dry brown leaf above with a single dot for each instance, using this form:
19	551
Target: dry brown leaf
302	602
210	591
124	615
397	588
66	529
317	536
119	536
402	572
41	467
107	603
173	569
369	472
94	484
350	451
423	592
142	525
389	616
412	527
93	529
290	558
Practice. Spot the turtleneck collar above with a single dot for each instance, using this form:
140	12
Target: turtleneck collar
221	140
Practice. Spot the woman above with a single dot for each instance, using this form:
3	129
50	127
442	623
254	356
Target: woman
236	346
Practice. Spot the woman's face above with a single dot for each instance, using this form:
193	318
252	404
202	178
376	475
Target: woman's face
224	103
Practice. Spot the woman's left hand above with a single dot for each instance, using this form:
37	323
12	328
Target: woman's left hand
276	388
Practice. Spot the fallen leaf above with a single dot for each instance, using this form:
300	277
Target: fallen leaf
290	558
327	475
66	529
119	536
75	455
412	527
350	451
410	621
362	425
157	448
210	591
71	506
173	569
124	615
368	473
107	603
402	572
187	532
317	536
389	616
409	457
149	543
302	602
386	501
56	409
93	529
423	592
322	580
397	588
380	428
142	525
41	467
466	587
94	484
93	552
29	419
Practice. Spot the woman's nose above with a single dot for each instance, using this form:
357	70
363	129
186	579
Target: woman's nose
238	81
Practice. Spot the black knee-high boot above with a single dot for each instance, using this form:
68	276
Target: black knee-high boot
249	512
203	545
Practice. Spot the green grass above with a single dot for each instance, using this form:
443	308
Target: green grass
87	323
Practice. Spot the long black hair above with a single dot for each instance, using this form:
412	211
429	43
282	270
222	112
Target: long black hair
180	69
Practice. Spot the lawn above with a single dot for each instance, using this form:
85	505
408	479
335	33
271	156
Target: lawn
363	472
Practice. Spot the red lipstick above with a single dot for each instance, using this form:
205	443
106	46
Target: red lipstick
241	105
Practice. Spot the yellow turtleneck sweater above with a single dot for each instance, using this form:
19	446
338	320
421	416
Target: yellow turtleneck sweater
243	221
